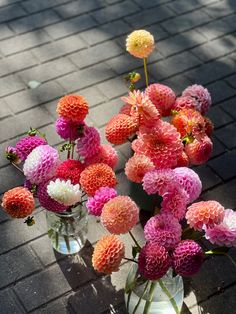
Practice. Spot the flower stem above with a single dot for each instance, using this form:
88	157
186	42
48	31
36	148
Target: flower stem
222	253
149	301
135	241
140	299
145	70
72	151
171	298
130	260
18	168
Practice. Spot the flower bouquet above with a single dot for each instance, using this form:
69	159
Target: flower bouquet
61	187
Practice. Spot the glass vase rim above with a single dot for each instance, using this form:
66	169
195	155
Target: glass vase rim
64	214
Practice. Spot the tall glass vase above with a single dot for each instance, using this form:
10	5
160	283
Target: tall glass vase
68	230
164	296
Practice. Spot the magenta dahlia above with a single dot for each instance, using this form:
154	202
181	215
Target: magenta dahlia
26	144
89	143
201	95
68	130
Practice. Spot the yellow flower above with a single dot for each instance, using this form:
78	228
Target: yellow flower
140	43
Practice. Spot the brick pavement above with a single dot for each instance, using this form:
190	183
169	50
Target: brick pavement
78	46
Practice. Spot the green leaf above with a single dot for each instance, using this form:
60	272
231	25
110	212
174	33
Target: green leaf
135	251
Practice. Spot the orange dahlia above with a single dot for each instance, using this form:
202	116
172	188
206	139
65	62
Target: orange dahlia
96	176
137	166
18	202
108	254
73	107
140	43
120	128
119	215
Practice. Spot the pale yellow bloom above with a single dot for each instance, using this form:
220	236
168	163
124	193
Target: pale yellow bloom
140	43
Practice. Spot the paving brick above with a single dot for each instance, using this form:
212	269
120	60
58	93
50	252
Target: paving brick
4	110
85	78
148	17
10	84
220	91
186	21
34	97
5	32
230	20
33	6
59	306
220	9
227	135
208	177
93	96
125	63
177	83
59	48
232	81
158	32
214	29
11	12
229	106
218	147
219	117
70	26
113	88
9	303
34	21
17	264
115	11
78	7
149	4
96	54
23	42
184	6
224	165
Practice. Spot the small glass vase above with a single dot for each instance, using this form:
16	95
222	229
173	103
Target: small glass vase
163	296
68	230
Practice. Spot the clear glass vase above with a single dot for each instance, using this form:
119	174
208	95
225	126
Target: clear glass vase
163	296
68	230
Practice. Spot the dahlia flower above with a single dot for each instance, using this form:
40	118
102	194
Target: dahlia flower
140	43
101	197
137	166
163	229
199	151
41	164
96	176
120	128
89	143
119	215
18	202
125	109
70	170
64	192
153	261
185	103
107	155
209	126
26	144
190	181
67	129
187	258
224	234
162	144
11	155
201	95
162	96
107	254
183	160
208	213
73	107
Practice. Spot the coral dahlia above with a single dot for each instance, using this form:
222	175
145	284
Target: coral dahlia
101	197
199	151
73	107
137	166
107	155
140	43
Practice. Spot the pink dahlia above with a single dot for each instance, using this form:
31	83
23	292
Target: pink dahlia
70	170
187	258
185	103
107	155
163	229
175	202
162	144
68	129
41	164
126	109
208	213
224	234
102	196
159	181
137	166
89	143
201	95
162	96
190	181
153	261
25	145
183	160
199	151
46	201
11	155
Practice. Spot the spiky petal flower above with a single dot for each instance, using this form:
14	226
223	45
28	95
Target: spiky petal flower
190	181
153	261
89	143
199	151
201	95
187	258
102	196
18	202
107	155
96	176
208	213
68	129
162	96
73	107
137	166
70	170
162	144
140	43
120	128
224	234
185	103
46	201
26	144
107	254
41	164
163	229
64	192
159	181
119	215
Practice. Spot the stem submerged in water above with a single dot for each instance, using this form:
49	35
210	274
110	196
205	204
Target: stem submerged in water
171	298
140	299
149	301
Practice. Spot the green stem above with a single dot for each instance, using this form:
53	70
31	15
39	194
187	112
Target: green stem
140	299
130	260
18	168
135	241
149	301
145	70
224	254
57	239
171	298
68	153
128	299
